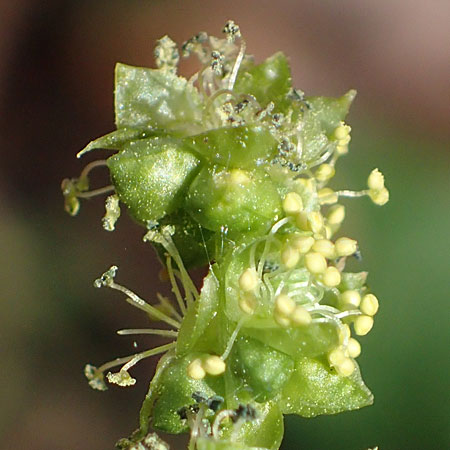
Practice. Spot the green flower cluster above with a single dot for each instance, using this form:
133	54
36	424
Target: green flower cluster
230	168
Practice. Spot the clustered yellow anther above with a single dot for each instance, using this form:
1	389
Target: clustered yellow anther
342	136
302	244
212	365
336	215
248	302
377	191
327	196
362	325
369	305
345	246
290	257
324	172
248	281
287	313
292	203
350	298
315	262
325	247
315	221
341	362
331	277
353	348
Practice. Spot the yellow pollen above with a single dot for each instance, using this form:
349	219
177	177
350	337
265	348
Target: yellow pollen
195	370
315	221
248	302
369	305
301	316
363	324
346	367
315	262
353	348
376	180
214	365
380	197
290	257
284	305
324	172
344	333
325	247
336	215
342	131
331	277
292	203
350	298
248	280
327	196
336	356
302	244
342	149
345	246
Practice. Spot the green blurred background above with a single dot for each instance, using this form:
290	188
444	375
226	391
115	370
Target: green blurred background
56	85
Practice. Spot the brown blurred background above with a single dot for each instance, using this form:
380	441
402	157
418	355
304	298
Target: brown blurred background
56	93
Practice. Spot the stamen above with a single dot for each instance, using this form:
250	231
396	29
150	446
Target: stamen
133	331
95	192
233	337
236	65
174	284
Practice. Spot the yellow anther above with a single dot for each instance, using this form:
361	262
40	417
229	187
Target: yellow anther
324	172
301	316
327	196
282	321
344	333
380	197
345	368
375	180
214	365
325	247
331	277
248	302
342	149
248	280
369	305
336	356
307	183
350	298
292	203
239	176
336	215
195	370
315	221
353	348
284	305
342	131
345	246
301	219
362	325
315	262
290	257
302	244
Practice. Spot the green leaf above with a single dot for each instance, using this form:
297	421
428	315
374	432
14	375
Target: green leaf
236	199
329	111
319	122
240	147
115	140
312	340
152	98
316	389
269	81
263	368
151	176
199	315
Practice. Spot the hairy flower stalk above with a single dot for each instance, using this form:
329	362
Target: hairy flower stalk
232	169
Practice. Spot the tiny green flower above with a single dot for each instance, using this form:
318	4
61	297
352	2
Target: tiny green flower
231	169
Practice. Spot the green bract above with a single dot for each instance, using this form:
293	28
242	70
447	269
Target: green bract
230	169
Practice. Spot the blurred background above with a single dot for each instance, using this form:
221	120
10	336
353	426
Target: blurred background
56	93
